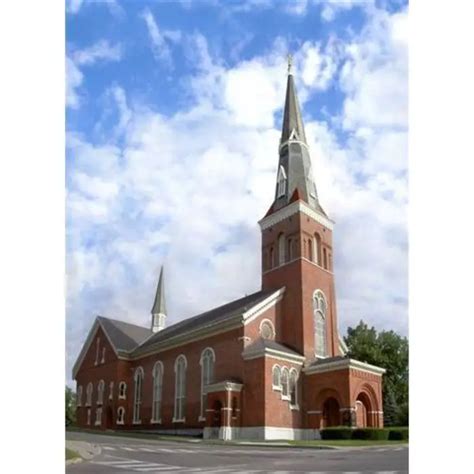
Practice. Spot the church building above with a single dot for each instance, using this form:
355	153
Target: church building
270	365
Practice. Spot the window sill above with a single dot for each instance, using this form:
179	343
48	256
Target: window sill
287	399
120	423
176	420
122	398
97	423
155	422
201	418
294	407
138	422
276	388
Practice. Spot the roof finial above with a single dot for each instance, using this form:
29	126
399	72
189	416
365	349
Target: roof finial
290	63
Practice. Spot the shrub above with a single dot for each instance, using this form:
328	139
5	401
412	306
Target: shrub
337	433
370	434
398	434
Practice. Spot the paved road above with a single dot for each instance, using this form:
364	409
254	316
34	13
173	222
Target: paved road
127	455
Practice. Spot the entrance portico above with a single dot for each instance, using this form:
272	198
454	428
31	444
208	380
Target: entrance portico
223	416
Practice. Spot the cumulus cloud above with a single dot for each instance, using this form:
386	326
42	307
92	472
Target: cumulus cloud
188	189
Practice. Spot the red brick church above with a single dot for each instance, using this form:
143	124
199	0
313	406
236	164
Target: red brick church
270	365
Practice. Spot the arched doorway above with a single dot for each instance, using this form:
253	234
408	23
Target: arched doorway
331	413
363	407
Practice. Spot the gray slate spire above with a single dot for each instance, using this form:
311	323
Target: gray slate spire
294	174
158	311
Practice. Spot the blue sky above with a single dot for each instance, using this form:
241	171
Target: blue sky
173	116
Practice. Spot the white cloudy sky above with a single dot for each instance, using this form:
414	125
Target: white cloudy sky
173	125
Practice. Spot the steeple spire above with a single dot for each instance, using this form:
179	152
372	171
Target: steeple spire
294	175
292	121
158	312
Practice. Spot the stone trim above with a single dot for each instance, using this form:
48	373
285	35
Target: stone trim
314	412
224	387
291	209
275	354
261	307
344	364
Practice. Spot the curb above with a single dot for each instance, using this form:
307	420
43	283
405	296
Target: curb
73	461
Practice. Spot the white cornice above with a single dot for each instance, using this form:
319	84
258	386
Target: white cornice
260	308
291	209
273	353
344	364
225	386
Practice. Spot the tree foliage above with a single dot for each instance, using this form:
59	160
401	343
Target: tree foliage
389	350
70	406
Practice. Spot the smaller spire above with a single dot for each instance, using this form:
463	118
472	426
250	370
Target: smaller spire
290	63
158	312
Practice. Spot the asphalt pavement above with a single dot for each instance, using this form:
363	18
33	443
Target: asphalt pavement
128	455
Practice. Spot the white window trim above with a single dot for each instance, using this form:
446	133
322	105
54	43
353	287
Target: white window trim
102	361
124	396
98	419
89	394
100	392
276	387
316	294
183	419
88	421
79	396
296	405
283	396
281	182
111	390
203	387
137	403
122	418
162	369
97	349
269	322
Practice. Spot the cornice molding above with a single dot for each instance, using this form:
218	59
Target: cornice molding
343	364
225	386
257	310
290	210
275	354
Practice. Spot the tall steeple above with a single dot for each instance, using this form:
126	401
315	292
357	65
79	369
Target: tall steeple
294	175
158	312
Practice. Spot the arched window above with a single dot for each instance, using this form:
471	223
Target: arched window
290	250
276	378
79	396
293	388
310	250
120	416
325	258
157	391
207	376
89	390
137	394
122	390
317	249
100	392
98	416
285	375
281	180
320	310
111	390
88	416
281	249
102	361
180	388
271	262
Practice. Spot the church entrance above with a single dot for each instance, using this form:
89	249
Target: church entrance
362	409
216	419
331	413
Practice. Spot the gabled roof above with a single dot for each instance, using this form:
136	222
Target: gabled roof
207	319
124	336
267	347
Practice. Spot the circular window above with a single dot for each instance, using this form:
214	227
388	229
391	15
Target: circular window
266	330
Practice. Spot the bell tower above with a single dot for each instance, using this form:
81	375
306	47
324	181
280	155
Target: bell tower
297	245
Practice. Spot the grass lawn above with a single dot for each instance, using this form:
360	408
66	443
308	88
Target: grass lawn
70	454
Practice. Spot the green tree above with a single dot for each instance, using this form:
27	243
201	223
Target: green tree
389	350
70	406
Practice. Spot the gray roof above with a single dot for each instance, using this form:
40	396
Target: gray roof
124	336
294	156
159	306
211	317
327	359
261	344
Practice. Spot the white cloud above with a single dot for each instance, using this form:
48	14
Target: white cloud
188	189
160	40
100	51
74	6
